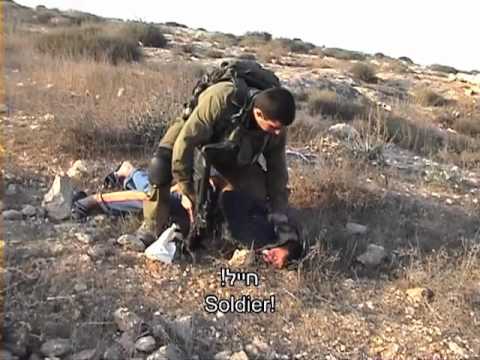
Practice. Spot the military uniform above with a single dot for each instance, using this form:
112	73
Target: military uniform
211	122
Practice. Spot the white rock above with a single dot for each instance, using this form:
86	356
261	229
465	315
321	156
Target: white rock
145	344
241	258
374	256
79	168
56	347
224	355
343	131
84	238
130	242
58	200
29	211
120	92
354	228
457	349
241	355
49	117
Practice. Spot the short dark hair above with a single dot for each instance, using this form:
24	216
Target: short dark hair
277	104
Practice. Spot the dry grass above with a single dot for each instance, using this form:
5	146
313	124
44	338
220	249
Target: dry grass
88	43
467	125
90	113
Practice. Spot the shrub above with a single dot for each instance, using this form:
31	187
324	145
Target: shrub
224	40
426	97
364	72
44	17
148	35
88	43
343	54
295	45
468	126
443	69
327	102
255	39
406	59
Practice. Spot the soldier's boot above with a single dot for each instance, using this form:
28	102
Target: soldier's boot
156	210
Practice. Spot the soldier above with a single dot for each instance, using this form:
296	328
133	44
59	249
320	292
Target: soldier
259	131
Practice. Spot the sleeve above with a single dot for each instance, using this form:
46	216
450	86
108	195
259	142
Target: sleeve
277	174
196	132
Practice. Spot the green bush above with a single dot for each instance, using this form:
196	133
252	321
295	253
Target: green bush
90	43
148	35
364	72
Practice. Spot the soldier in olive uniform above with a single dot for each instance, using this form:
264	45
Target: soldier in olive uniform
259	131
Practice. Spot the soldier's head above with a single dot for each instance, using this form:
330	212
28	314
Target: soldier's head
273	109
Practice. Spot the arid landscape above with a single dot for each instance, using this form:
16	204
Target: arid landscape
384	165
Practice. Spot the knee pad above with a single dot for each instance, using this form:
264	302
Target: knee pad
160	168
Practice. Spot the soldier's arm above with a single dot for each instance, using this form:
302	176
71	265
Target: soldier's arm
197	131
277	174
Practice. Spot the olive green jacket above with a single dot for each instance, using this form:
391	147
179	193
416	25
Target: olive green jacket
210	122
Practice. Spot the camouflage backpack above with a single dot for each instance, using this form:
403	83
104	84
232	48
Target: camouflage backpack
244	74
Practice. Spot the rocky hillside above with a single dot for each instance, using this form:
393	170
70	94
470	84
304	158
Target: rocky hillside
384	163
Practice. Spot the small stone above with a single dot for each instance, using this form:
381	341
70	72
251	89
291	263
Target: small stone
130	242
29	211
169	352
120	92
56	347
343	131
457	349
241	355
84	238
374	256
49	117
126	320
98	251
84	355
12	215
241	258
420	294
145	344
252	351
80	287
224	355
354	228
58	200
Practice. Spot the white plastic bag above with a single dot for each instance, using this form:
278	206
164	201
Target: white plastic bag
163	249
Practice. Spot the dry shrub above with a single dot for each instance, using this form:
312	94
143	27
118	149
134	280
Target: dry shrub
255	39
343	54
328	103
224	40
364	72
148	35
270	51
443	69
88	43
468	126
427	97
